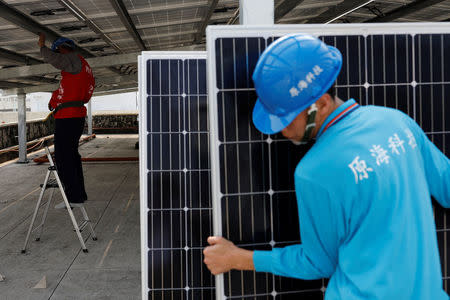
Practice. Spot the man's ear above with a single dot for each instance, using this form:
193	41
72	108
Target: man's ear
324	103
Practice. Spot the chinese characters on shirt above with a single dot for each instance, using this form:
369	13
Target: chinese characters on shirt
361	169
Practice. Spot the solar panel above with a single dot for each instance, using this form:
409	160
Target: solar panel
176	211
396	65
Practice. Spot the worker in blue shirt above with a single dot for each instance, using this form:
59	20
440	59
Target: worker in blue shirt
363	190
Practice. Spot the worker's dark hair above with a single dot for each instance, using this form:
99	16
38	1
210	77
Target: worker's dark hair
332	91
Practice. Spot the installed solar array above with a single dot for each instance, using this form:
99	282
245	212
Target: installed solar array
176	209
252	173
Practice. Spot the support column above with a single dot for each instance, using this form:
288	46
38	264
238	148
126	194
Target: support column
256	12
22	127
89	108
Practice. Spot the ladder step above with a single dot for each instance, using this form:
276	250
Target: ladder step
83	225
36	228
51	184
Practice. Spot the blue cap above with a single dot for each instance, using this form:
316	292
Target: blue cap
291	75
62	41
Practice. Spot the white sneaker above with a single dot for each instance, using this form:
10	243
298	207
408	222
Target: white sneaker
72	205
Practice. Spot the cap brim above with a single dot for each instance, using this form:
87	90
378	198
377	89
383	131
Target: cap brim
269	123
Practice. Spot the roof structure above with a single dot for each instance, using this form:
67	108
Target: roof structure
111	33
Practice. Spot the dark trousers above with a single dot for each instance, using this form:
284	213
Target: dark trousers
68	160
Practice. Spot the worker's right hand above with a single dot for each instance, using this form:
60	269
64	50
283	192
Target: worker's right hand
218	256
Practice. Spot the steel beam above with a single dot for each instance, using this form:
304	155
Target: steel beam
109	90
77	12
143	10
126	20
52	87
335	11
18	18
161	36
12	85
25	60
404	10
285	7
146	38
205	21
214	17
41	79
17	57
234	18
94	62
84	34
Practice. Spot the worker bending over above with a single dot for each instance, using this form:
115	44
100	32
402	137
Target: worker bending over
363	190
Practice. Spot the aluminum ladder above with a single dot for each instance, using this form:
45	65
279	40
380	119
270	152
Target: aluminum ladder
52	184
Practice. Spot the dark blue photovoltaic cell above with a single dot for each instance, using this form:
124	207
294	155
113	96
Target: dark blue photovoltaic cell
201	294
389	59
250	227
197	148
285	226
433	106
432	57
285	157
199	195
235	110
166	112
178	180
289	284
259	208
162	263
432	92
171	224
244	168
195	77
164	77
395	96
162	192
236	61
196	113
199	228
166	151
168	295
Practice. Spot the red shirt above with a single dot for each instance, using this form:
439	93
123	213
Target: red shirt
74	87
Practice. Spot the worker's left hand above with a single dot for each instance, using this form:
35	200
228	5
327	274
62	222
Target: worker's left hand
41	41
219	257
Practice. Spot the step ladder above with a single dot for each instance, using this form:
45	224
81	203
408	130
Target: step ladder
52	184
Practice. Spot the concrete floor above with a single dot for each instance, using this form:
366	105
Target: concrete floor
111	269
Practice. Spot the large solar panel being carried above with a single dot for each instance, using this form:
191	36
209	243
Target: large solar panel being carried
176	209
396	65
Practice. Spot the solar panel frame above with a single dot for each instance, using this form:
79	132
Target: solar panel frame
144	121
266	32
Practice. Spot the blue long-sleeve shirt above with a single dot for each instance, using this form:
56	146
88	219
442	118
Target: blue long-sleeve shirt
366	218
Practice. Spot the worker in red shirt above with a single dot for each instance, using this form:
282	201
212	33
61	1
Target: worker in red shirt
67	103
